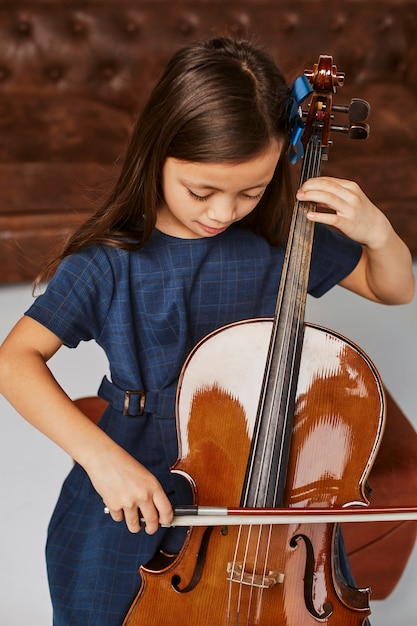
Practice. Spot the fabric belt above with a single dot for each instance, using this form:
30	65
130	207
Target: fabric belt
135	403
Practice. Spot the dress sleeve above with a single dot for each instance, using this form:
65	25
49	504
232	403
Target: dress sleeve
76	301
334	257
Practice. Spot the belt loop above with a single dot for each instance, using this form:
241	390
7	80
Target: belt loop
126	403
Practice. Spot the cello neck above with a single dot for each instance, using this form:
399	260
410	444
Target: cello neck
265	479
266	473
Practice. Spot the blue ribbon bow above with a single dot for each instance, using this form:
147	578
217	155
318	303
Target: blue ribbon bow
299	92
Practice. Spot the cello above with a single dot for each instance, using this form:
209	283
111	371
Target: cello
272	414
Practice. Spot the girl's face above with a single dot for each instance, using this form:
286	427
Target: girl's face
203	199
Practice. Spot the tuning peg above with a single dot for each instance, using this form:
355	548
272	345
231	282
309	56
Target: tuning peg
358	109
359	130
356	130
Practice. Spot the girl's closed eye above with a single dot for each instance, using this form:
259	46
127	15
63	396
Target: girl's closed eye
257	197
245	195
196	197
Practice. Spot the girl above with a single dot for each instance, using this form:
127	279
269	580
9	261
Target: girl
190	239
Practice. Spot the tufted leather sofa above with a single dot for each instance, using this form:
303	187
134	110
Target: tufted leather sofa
74	72
71	77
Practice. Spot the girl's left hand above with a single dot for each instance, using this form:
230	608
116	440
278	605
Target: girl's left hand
384	272
352	211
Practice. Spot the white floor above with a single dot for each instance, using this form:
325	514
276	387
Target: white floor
32	468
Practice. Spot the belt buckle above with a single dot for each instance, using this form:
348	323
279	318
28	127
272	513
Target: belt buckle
126	403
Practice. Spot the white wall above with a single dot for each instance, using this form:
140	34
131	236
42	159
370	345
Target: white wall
32	468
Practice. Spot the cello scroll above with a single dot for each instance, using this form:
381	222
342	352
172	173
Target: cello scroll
325	79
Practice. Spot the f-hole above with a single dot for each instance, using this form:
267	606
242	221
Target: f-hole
309	579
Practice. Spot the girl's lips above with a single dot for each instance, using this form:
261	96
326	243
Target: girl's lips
213	231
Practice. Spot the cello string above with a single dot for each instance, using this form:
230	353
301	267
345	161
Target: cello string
258	557
233	567
302	230
279	350
286	319
294	286
240	588
279	358
254	567
264	573
307	238
305	229
249	530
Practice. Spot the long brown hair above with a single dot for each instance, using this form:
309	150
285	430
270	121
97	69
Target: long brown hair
217	101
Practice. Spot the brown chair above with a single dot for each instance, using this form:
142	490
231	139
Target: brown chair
92	406
378	551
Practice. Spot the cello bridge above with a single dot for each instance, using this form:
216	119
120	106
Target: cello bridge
236	573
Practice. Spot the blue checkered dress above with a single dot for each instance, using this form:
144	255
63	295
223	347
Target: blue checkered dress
147	309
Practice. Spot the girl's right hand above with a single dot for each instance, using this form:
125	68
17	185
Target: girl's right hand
125	485
129	491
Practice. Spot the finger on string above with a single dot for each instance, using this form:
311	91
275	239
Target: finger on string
329	181
324	217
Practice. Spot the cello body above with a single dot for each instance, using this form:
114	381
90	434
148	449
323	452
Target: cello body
269	575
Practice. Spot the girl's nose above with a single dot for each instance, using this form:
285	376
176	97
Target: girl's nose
222	211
